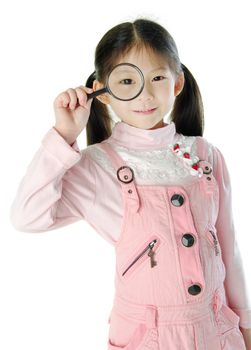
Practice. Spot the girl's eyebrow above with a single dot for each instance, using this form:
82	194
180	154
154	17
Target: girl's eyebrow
160	68
124	70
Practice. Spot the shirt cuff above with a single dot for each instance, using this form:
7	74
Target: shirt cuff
245	317
60	149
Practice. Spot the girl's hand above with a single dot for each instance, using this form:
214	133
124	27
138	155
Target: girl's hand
247	337
72	112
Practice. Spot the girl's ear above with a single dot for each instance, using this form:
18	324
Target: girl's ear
179	84
104	98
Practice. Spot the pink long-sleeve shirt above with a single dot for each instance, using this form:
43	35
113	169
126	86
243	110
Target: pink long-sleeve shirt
64	184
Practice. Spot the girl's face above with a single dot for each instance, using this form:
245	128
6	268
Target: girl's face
158	95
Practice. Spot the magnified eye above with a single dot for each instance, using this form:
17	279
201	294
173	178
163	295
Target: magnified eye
128	81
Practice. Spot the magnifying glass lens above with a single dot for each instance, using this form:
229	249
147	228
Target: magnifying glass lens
125	82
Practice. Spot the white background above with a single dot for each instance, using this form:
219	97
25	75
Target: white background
56	288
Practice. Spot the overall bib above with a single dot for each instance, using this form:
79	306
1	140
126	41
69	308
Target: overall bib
169	292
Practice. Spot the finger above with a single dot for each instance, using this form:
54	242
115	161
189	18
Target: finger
86	91
82	96
85	88
63	99
89	102
73	98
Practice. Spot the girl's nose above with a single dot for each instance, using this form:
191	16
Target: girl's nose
146	93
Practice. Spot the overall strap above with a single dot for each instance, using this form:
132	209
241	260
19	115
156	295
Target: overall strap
202	148
125	175
203	152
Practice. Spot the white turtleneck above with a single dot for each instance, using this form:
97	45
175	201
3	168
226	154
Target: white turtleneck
135	138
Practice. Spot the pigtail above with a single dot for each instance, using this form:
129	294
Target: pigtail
188	112
98	127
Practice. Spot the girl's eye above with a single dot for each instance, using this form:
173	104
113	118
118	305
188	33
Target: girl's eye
159	76
128	81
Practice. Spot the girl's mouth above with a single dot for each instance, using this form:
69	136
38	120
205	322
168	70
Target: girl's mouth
149	111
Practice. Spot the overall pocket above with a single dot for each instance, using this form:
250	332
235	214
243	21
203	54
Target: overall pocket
145	254
228	329
215	255
213	239
127	335
136	342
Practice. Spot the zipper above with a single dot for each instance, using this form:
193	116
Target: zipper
151	253
215	241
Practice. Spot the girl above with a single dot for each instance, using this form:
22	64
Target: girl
159	192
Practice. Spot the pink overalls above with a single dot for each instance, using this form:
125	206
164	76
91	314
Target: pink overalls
169	269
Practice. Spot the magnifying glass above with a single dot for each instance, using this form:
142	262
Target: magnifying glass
125	82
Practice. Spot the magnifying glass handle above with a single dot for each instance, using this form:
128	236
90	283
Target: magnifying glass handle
97	93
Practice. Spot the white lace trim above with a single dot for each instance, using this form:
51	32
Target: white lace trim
156	166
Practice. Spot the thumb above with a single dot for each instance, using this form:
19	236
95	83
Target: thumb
89	101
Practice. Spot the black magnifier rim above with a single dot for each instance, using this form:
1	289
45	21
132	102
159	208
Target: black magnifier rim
142	79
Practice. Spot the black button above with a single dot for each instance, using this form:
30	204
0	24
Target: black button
194	289
187	240
177	200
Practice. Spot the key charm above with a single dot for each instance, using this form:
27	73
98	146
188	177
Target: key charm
151	255
216	249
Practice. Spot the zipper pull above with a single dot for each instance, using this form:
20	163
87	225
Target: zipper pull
216	249
151	254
